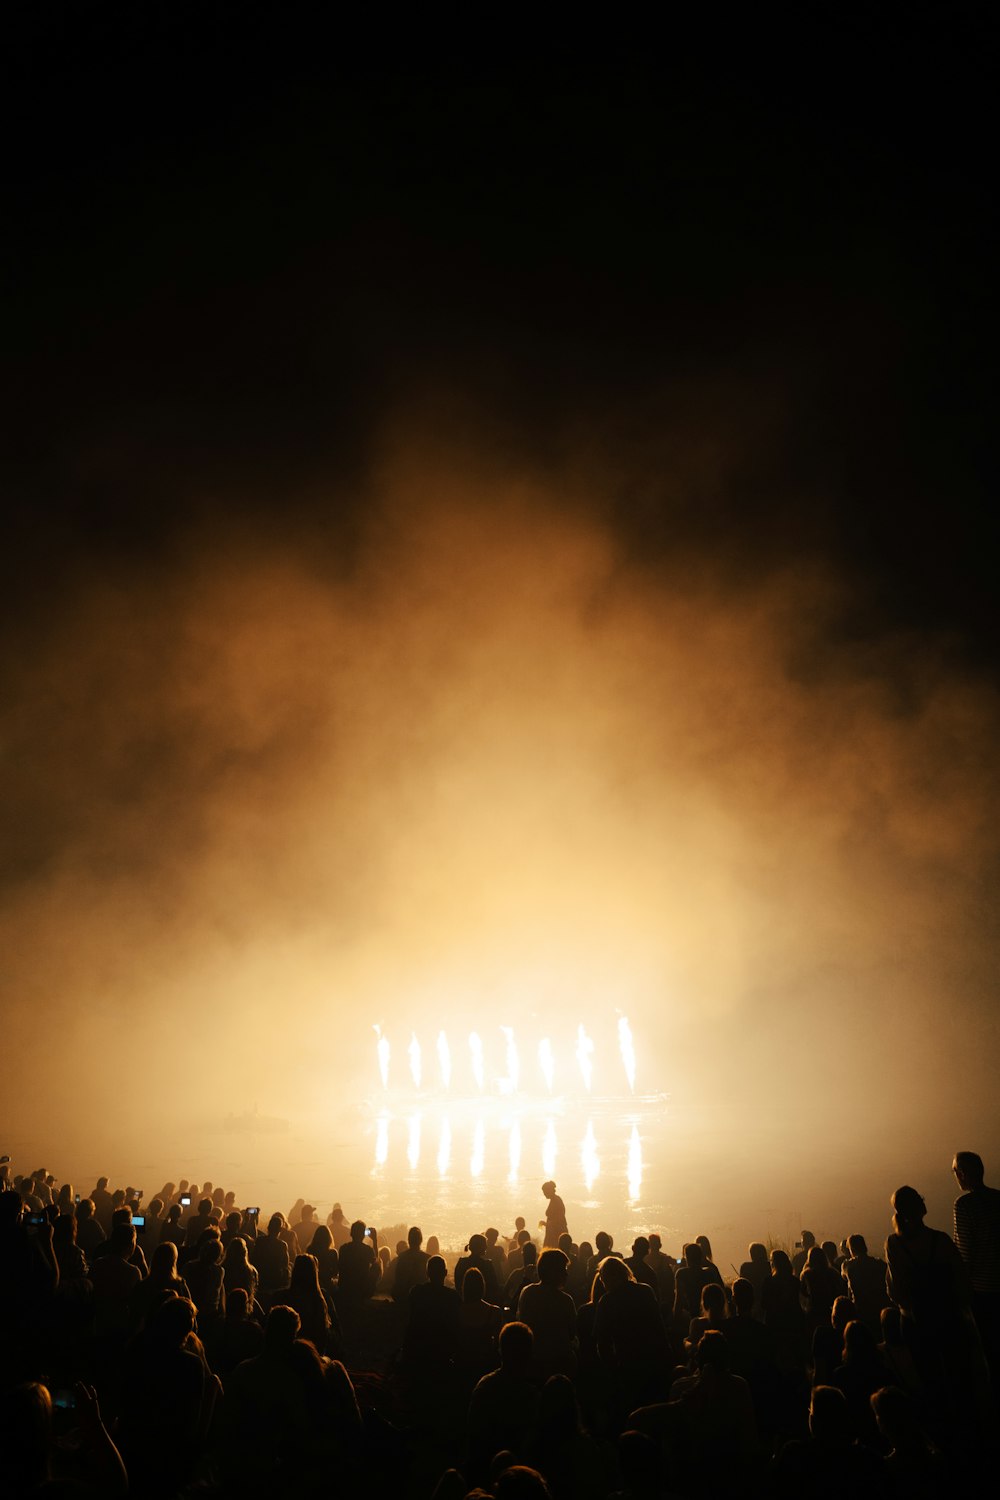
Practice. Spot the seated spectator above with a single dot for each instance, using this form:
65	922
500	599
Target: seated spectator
476	1351
756	1270
862	1373
270	1257
828	1462
504	1405
306	1296
913	1466
782	1308
327	1259
712	1426
35	1463
497	1255
476	1256
638	1265
167	1398
89	1233
821	1286
690	1281
562	1449
435	1318
828	1342
114	1277
411	1267
550	1312
712	1317
240	1337
206	1283
239	1273
866	1280
71	1259
161	1283
518	1279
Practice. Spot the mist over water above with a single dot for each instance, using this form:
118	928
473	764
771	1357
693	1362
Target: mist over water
483	765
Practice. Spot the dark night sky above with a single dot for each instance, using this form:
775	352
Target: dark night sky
236	244
720	299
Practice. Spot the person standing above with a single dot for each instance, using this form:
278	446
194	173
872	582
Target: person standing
555	1217
977	1235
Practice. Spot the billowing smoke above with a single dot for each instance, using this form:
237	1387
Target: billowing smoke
494	766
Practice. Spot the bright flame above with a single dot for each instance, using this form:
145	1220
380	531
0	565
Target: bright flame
549	1150
514	1151
589	1159
414	1050
546	1062
634	1165
382	1051
476	1049
444	1148
381	1140
627	1048
413	1144
478	1150
584	1056
509	1084
444	1059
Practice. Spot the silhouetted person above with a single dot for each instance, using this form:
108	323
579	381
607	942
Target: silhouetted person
550	1313
339	1227
782	1309
929	1282
520	1278
435	1318
555	1216
480	1325
756	1270
476	1257
270	1256
977	1235
866	1279
914	1469
306	1296
805	1245
639	1266
504	1405
690	1280
411	1267
821	1286
862	1373
89	1233
828	1465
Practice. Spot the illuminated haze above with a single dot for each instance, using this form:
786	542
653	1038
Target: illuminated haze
491	767
500	543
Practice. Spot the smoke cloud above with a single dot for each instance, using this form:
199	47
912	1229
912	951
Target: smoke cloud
478	758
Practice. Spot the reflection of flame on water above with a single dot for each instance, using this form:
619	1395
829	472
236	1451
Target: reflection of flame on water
634	1166
478	1150
584	1055
444	1059
514	1151
627	1048
382	1049
413	1144
476	1050
444	1148
549	1150
414	1050
589	1159
381	1140
546	1062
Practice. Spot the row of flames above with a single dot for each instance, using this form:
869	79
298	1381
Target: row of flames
590	1160
510	1082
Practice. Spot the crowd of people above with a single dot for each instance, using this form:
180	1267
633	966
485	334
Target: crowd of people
183	1345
